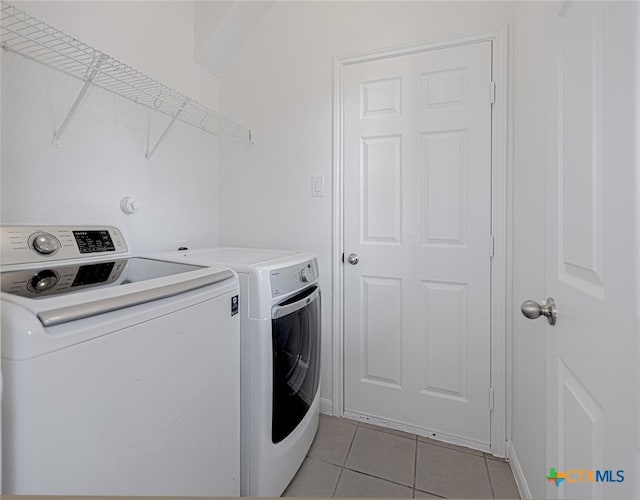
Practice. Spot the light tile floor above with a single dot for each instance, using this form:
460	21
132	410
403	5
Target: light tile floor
355	459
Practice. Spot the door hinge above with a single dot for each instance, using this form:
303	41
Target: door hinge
342	258
492	92
492	247
491	399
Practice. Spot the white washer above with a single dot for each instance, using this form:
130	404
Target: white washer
279	306
121	374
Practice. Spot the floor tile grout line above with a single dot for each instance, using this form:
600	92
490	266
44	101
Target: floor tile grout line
415	479
335	487
353	438
388	430
344	462
368	474
345	456
344	466
486	466
448	446
323	461
431	493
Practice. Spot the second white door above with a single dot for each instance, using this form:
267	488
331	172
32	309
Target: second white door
417	201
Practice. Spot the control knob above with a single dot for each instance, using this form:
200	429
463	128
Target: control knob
43	281
45	243
306	275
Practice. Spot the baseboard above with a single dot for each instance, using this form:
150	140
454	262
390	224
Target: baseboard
518	473
420	431
326	406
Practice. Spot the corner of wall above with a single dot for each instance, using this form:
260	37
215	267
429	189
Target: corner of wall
326	406
518	472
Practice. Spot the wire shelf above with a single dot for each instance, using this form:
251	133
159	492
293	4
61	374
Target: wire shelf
29	37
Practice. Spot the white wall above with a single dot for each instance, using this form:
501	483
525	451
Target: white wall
222	28
102	153
280	84
207	18
528	429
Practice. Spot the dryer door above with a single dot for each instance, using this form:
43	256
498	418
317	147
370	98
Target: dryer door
296	360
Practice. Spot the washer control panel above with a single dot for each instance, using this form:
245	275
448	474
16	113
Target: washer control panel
293	278
32	244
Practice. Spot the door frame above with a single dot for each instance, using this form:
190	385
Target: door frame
500	220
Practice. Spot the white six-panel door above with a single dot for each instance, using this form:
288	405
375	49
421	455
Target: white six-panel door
592	372
417	213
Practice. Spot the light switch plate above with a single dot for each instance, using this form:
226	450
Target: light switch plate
317	185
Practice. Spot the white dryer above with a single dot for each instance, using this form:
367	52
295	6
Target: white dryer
121	374
280	360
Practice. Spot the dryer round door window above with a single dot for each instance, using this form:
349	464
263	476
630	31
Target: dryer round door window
296	360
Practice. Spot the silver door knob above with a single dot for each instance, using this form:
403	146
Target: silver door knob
532	310
353	259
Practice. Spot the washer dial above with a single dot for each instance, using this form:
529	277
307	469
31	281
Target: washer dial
44	243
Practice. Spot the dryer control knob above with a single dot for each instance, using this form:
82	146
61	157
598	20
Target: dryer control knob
45	243
306	275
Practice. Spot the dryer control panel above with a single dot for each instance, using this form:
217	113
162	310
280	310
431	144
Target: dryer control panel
293	278
32	244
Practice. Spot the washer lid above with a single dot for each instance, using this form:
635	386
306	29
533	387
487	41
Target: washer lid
146	291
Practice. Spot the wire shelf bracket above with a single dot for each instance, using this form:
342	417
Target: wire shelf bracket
150	152
91	74
33	39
